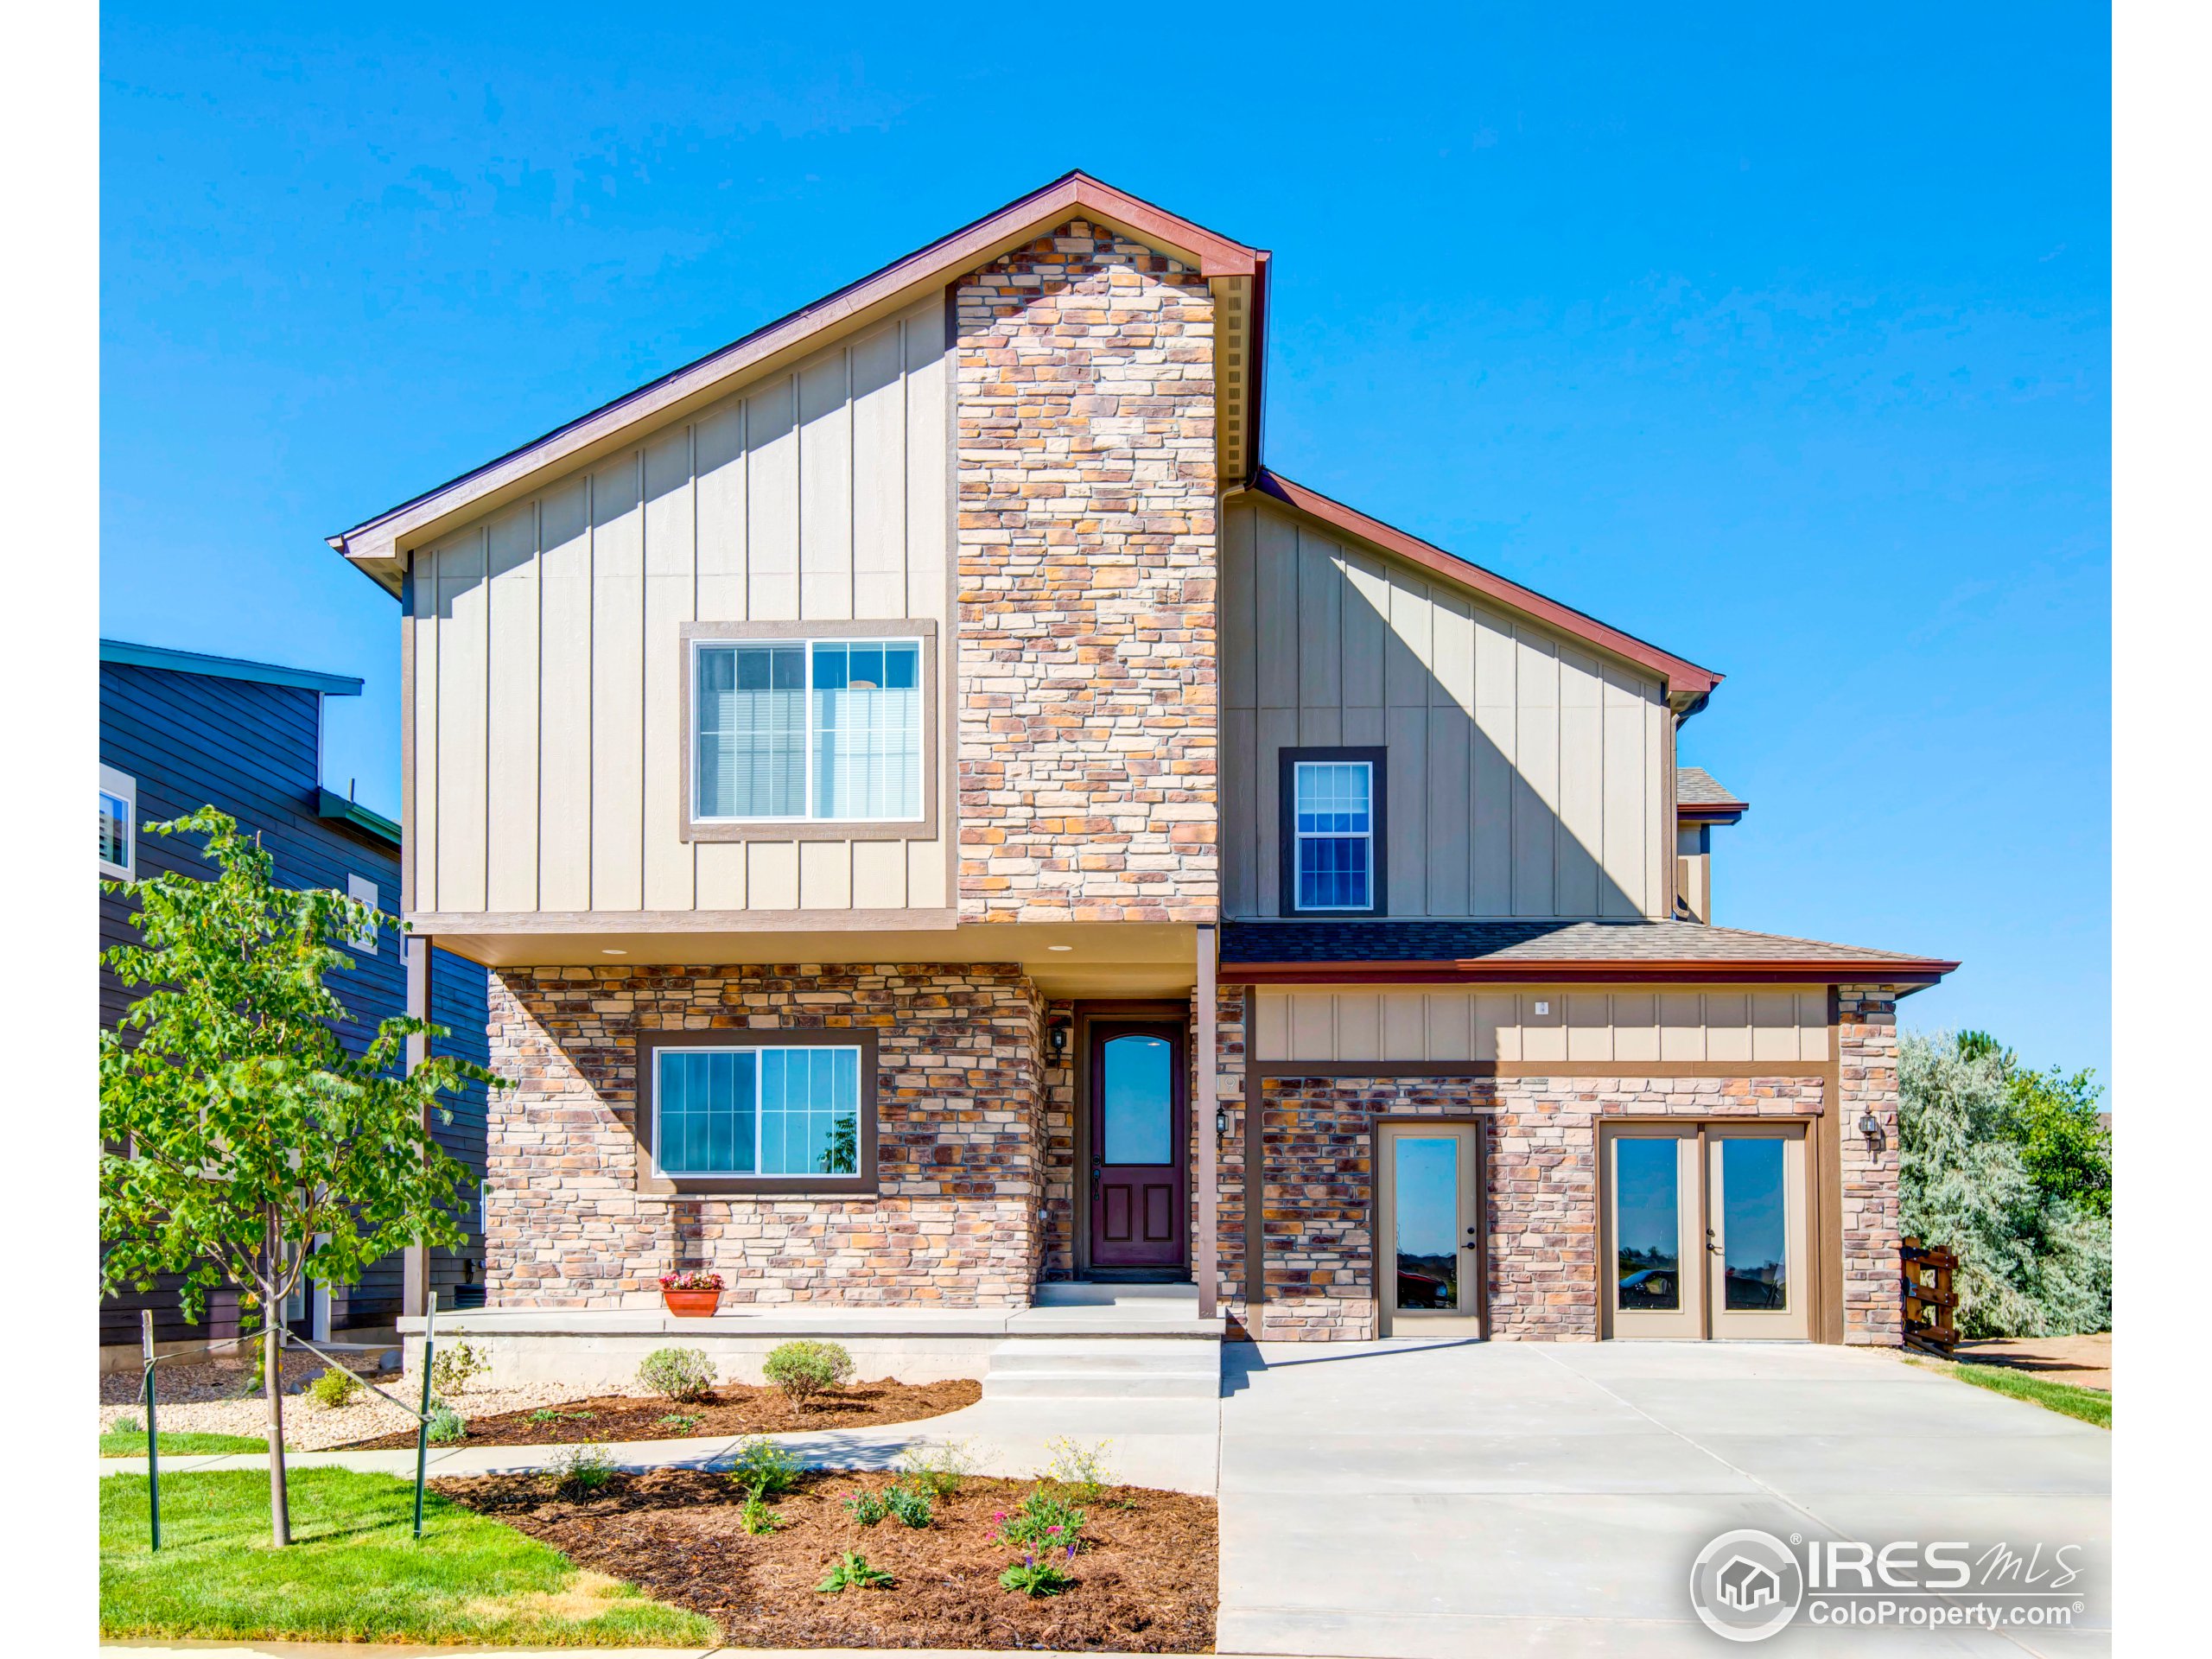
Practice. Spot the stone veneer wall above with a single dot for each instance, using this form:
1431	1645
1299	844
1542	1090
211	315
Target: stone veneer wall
1087	544
961	1123
1866	1047
1542	1181
1060	1218
1230	1015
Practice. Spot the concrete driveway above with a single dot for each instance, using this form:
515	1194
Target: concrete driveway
1426	1500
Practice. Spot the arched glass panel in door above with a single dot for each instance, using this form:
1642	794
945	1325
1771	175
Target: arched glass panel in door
1137	1122
1139	1138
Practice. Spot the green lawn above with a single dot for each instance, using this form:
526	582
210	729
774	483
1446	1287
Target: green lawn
2090	1405
353	1573
120	1443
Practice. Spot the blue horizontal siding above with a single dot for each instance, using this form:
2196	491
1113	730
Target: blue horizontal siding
252	750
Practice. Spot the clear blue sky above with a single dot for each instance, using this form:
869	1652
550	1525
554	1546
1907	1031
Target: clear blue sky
1781	338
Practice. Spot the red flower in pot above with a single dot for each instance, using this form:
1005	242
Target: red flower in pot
691	1295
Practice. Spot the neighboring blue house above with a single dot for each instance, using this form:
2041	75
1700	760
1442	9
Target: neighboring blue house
180	730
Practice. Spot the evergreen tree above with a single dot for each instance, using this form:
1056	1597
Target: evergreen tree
2032	1261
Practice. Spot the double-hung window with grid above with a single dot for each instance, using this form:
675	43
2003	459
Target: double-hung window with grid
808	731
1333	819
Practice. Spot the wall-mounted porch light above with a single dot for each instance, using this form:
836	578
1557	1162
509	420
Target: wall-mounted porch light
1221	1120
1871	1126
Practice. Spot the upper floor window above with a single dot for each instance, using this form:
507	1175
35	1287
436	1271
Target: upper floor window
822	730
1332	831
118	825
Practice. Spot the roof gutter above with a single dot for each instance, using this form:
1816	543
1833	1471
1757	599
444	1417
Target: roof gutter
1915	972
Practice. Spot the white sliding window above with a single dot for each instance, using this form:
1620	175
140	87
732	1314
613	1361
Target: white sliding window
810	731
756	1111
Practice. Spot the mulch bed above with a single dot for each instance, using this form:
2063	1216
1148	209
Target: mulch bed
734	1409
1146	1581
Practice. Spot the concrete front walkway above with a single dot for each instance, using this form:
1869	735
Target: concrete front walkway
1168	1443
1425	1500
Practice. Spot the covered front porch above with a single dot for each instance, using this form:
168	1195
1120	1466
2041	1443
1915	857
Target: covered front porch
1078	1340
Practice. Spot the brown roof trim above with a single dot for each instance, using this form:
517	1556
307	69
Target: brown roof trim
1900	970
1711	811
1679	674
973	244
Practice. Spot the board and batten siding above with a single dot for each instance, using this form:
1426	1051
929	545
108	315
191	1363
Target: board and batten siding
548	760
1525	774
1787	1026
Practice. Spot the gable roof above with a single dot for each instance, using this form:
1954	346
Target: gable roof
374	544
227	668
1686	682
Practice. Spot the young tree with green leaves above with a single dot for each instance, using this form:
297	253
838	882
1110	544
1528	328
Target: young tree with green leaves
241	1139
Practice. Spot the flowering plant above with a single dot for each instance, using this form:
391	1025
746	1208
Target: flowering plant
1046	1531
690	1279
1041	1520
1037	1574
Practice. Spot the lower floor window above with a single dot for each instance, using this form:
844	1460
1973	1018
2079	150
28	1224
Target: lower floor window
756	1111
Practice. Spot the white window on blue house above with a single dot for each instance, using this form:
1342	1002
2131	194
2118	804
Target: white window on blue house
747	1111
1334	819
118	825
364	891
807	731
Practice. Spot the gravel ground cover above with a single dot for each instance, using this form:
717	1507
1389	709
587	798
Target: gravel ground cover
1146	1580
202	1396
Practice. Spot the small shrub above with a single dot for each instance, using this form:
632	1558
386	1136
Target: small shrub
1034	1579
334	1387
941	1467
456	1365
765	1469
1079	1466
910	1503
804	1368
446	1424
850	1571
756	1517
580	1470
1044	1520
126	1426
678	1373
681	1421
867	1508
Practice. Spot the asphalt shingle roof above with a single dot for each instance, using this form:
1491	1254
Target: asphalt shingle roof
1695	787
1532	941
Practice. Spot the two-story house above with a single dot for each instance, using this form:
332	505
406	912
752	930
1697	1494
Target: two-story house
943	820
182	729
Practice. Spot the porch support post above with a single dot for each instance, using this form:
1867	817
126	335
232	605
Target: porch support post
1208	1103
416	949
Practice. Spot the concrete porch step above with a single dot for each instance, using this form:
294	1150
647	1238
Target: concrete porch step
1120	1368
1085	1294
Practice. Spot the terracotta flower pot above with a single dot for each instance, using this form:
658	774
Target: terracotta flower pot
692	1303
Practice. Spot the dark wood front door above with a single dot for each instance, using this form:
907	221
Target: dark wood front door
1140	1144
